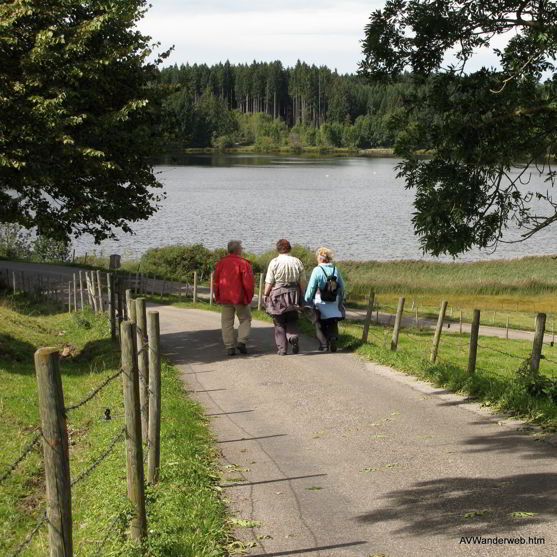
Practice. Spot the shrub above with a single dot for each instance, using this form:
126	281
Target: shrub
15	242
48	250
179	262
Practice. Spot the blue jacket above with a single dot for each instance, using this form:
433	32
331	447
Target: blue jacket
317	281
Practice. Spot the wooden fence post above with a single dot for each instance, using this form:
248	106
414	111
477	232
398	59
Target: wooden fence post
438	329
143	364
70	296
194	287
377	310
460	322
74	292
13	279
130	305
261	291
55	449
367	322
88	289
473	348
111	305
119	300
153	339
91	285
537	344
100	289
211	292
398	323
81	290
134	449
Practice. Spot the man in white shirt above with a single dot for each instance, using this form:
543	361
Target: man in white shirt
284	283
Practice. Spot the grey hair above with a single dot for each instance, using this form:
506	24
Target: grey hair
234	246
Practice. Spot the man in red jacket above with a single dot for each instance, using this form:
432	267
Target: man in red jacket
233	288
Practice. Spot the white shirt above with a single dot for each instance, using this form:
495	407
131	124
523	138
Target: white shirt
285	269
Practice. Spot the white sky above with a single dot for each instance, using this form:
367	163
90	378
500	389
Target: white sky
320	32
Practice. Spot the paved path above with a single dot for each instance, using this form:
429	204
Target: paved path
338	457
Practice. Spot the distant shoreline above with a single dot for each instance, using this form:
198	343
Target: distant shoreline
313	151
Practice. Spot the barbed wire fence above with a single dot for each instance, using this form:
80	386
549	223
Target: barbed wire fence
54	434
470	346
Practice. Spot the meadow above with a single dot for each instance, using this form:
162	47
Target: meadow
185	514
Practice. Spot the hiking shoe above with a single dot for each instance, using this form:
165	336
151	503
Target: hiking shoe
322	348
242	348
231	351
295	344
281	353
333	345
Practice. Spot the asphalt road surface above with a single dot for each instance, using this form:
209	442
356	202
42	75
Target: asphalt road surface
334	456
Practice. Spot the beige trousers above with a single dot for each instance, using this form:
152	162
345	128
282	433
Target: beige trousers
228	311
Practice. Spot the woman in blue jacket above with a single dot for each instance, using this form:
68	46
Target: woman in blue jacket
325	291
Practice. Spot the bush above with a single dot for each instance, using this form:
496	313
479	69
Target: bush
48	250
179	262
15	241
223	142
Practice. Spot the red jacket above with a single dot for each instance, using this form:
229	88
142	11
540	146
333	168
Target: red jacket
233	280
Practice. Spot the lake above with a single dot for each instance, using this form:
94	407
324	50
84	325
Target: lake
354	205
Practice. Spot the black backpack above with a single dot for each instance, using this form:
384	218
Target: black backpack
330	290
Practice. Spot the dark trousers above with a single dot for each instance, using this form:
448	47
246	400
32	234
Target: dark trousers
285	329
325	330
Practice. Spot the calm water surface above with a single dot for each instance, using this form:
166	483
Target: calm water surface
356	206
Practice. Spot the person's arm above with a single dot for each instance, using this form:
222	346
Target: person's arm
247	280
312	286
269	279
341	286
216	276
302	280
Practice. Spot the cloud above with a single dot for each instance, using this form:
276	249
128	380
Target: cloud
319	32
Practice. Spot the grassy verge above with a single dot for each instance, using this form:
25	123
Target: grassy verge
497	382
186	517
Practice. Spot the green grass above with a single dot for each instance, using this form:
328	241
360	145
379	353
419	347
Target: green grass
524	276
186	517
495	381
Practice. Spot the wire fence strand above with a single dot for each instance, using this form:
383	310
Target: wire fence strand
29	536
102	457
95	392
21	458
483	346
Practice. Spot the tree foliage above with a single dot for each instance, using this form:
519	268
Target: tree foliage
477	125
78	116
270	106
